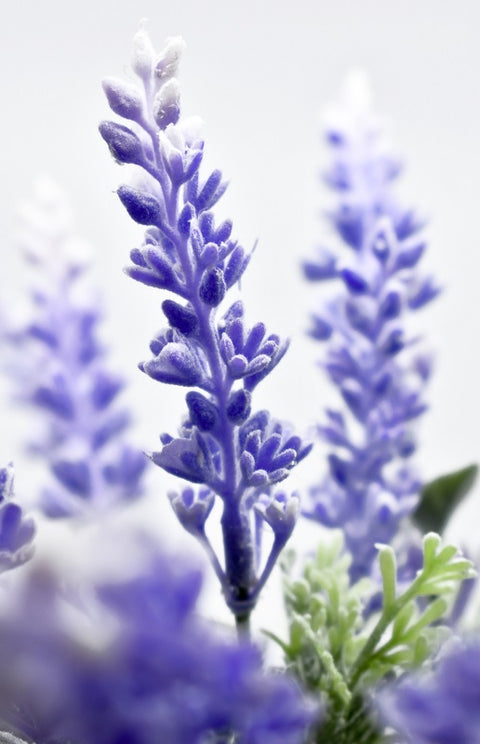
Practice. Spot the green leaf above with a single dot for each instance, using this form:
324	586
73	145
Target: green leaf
440	497
388	567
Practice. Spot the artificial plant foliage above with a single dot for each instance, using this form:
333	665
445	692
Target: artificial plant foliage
338	653
442	496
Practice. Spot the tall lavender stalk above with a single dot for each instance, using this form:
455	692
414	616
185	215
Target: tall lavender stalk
229	452
59	370
369	356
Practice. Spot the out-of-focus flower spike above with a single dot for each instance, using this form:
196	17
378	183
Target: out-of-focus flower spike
368	354
132	660
60	371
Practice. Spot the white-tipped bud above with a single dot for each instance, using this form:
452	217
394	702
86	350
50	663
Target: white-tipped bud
167	65
143	54
166	104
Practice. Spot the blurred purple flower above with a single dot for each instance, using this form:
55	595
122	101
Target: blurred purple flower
59	368
441	706
136	665
16	530
370	356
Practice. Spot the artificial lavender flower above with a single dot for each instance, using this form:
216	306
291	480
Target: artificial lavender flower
134	664
369	355
59	368
440	707
225	449
16	530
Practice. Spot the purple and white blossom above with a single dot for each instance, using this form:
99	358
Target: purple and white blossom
229	452
441	706
130	661
16	530
370	355
60	371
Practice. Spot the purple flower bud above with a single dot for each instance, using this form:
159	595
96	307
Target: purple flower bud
259	478
281	513
223	232
166	104
239	406
423	294
236	265
212	289
74	475
105	388
180	317
143	55
203	412
167	65
409	257
354	282
208	256
192	508
123	98
141	207
58	400
185	219
175	365
390	306
123	144
211	191
237	366
394	342
320	330
324	268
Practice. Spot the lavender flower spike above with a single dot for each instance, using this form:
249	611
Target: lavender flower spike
222	446
369	356
441	707
135	664
16	530
59	368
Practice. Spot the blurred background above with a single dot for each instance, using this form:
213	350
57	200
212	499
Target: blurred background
259	74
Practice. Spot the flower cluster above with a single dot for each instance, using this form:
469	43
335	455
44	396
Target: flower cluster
113	650
442	706
16	530
134	663
369	356
58	366
230	452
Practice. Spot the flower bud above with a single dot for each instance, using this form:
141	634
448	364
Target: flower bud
123	98
143	55
166	104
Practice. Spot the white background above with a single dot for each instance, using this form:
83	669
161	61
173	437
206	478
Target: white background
259	73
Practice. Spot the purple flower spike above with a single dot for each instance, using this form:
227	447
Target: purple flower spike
441	707
369	356
234	453
150	671
16	530
59	367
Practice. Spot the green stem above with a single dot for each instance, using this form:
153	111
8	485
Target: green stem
386	618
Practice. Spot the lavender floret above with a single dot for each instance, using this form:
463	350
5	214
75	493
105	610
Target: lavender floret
442	706
236	454
16	530
59	367
370	356
150	672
